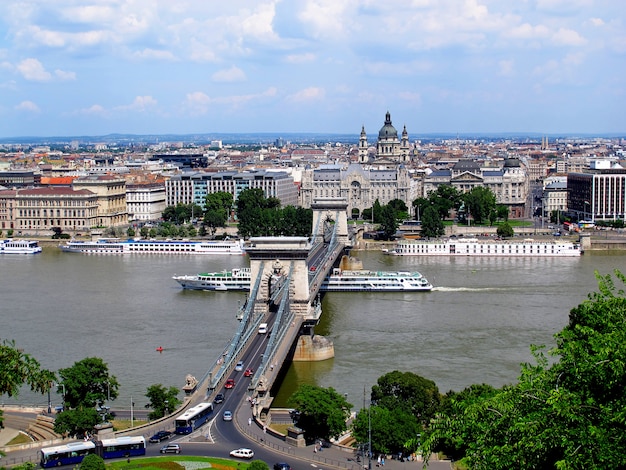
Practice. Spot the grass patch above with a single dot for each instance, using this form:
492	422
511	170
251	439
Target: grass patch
178	463
121	424
281	428
21	438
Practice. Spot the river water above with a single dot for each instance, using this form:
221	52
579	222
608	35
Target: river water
476	325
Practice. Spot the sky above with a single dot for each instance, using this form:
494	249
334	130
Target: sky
95	67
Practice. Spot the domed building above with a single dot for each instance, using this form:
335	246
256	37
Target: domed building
389	149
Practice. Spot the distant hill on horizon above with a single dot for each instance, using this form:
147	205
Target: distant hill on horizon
265	138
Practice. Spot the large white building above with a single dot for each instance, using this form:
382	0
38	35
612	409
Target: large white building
190	188
145	201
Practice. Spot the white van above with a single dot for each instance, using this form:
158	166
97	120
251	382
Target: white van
263	328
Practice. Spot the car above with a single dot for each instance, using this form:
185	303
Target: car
170	449
248	372
313	268
160	436
219	398
557	234
263	328
230	383
227	416
239	366
242	453
282	466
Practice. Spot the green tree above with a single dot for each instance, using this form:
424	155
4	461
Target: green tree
92	462
390	428
376	211
258	465
130	232
388	222
88	383
562	414
419	206
322	411
76	422
503	212
409	392
479	202
505	230
218	206
432	225
18	368
162	400
443	199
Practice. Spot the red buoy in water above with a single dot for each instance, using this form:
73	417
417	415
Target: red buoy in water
160	349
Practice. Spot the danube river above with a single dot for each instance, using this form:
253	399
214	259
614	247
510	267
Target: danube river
475	326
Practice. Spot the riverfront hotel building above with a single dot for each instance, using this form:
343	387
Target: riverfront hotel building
597	195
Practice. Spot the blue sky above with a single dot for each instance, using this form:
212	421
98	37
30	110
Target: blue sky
94	67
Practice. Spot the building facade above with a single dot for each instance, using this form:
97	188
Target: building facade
509	183
145	202
597	195
111	192
389	148
37	211
194	187
360	186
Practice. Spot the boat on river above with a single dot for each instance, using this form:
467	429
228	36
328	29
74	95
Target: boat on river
116	246
12	246
475	247
236	279
374	281
239	279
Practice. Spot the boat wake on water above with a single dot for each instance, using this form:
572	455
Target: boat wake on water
469	289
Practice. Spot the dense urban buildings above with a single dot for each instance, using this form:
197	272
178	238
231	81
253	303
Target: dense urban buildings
79	186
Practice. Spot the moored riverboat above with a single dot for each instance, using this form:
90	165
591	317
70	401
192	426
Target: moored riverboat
176	247
12	246
475	247
374	281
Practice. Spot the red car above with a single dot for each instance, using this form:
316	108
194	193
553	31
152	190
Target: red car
248	373
230	383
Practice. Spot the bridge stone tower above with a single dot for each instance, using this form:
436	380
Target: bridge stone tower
331	211
272	257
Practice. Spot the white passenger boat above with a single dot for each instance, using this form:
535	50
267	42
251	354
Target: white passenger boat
476	247
374	281
175	247
12	246
338	281
235	279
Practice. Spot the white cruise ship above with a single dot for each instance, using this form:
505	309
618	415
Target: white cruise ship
11	246
339	281
476	247
235	279
116	246
374	281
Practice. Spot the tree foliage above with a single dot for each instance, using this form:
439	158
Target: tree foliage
218	206
479	202
92	462
18	368
388	221
261	216
88	383
562	414
505	230
77	422
322	411
258	465
162	400
390	428
432	225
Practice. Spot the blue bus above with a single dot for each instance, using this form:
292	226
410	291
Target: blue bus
122	447
193	418
73	453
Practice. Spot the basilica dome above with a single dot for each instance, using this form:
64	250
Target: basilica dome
388	131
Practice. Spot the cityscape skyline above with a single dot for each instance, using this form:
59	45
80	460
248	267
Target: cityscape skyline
70	68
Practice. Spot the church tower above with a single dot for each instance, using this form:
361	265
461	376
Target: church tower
404	146
363	157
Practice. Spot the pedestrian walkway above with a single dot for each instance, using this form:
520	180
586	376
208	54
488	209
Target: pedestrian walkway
7	435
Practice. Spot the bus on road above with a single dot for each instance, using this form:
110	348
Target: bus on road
193	418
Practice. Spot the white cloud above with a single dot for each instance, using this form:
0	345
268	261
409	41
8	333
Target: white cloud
568	37
63	75
139	104
411	97
28	106
158	54
300	58
197	103
93	110
307	94
232	74
506	68
33	70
